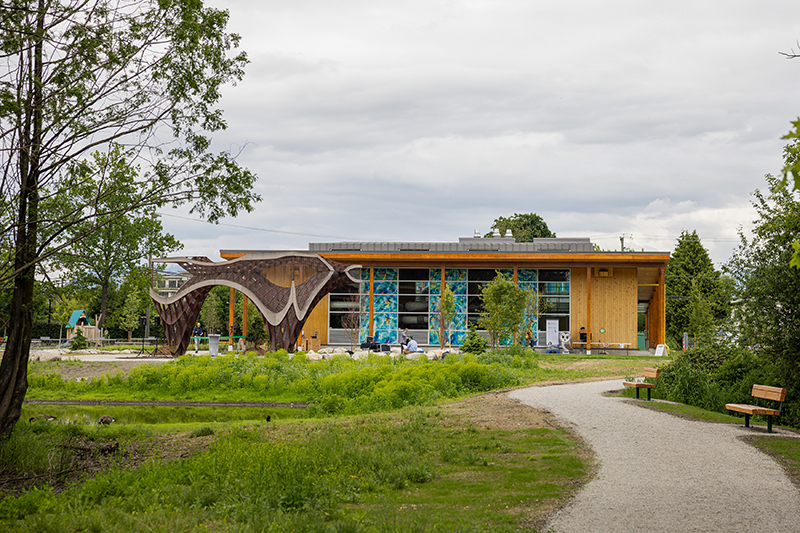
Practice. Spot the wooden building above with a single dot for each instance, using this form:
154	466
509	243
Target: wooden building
401	284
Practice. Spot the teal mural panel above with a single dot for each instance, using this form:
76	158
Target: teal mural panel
436	274
365	287
365	304
385	274
433	337
457	287
385	287
386	336
385	303
433	303
455	274
436	287
457	337
461	304
384	321
365	274
433	323
525	275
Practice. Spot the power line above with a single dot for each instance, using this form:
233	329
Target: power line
260	229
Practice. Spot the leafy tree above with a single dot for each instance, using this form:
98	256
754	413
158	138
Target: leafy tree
129	316
80	75
213	311
769	288
690	269
125	237
504	309
447	313
524	227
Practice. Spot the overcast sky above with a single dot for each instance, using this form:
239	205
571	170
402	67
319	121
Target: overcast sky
425	120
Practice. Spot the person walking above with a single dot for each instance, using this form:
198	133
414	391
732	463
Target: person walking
197	332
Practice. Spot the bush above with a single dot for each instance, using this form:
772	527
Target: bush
78	341
474	343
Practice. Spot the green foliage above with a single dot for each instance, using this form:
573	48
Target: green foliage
694	288
78	340
769	288
524	227
348	475
124	238
129	317
474	342
504	309
713	374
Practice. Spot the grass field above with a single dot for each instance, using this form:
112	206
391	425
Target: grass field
386	446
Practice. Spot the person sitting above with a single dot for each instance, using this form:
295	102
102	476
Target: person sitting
411	347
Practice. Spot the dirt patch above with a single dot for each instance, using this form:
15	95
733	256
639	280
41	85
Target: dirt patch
76	370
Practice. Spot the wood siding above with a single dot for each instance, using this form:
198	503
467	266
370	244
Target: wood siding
318	322
613	305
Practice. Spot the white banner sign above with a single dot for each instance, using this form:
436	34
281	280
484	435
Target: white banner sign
552	331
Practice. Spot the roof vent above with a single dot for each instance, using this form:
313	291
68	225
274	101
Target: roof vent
509	234
496	233
477	234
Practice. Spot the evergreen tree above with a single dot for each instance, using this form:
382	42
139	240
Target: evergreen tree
692	274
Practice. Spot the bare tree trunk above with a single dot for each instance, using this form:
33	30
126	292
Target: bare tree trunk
103	305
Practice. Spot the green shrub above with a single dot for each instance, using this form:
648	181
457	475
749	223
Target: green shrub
474	343
78	341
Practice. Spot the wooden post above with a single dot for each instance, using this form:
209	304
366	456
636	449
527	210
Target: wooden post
230	316
441	322
588	309
514	339
371	299
244	317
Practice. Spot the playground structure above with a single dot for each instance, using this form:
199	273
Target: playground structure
284	286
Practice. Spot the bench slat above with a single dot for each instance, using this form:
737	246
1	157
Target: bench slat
769	393
751	409
651	372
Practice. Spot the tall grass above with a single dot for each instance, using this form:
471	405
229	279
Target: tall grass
327	476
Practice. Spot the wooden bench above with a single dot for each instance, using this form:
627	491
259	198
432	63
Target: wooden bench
646	373
775	394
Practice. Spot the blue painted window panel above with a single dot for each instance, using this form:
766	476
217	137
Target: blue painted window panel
457	287
386	336
436	274
433	303
507	273
461	304
525	275
365	287
385	303
365	274
365	303
433	337
384	321
455	274
434	322
457	337
385	274
385	287
459	323
525	286
436	287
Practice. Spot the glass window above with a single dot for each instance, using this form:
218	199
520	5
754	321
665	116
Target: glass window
553	275
413	274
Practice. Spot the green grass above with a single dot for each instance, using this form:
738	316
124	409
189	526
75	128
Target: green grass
415	469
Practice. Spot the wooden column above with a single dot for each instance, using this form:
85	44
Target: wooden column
588	308
230	316
244	318
441	322
662	303
371	298
514	339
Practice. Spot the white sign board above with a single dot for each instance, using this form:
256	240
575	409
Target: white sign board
552	331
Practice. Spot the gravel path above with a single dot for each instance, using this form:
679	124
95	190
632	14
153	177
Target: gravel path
662	473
